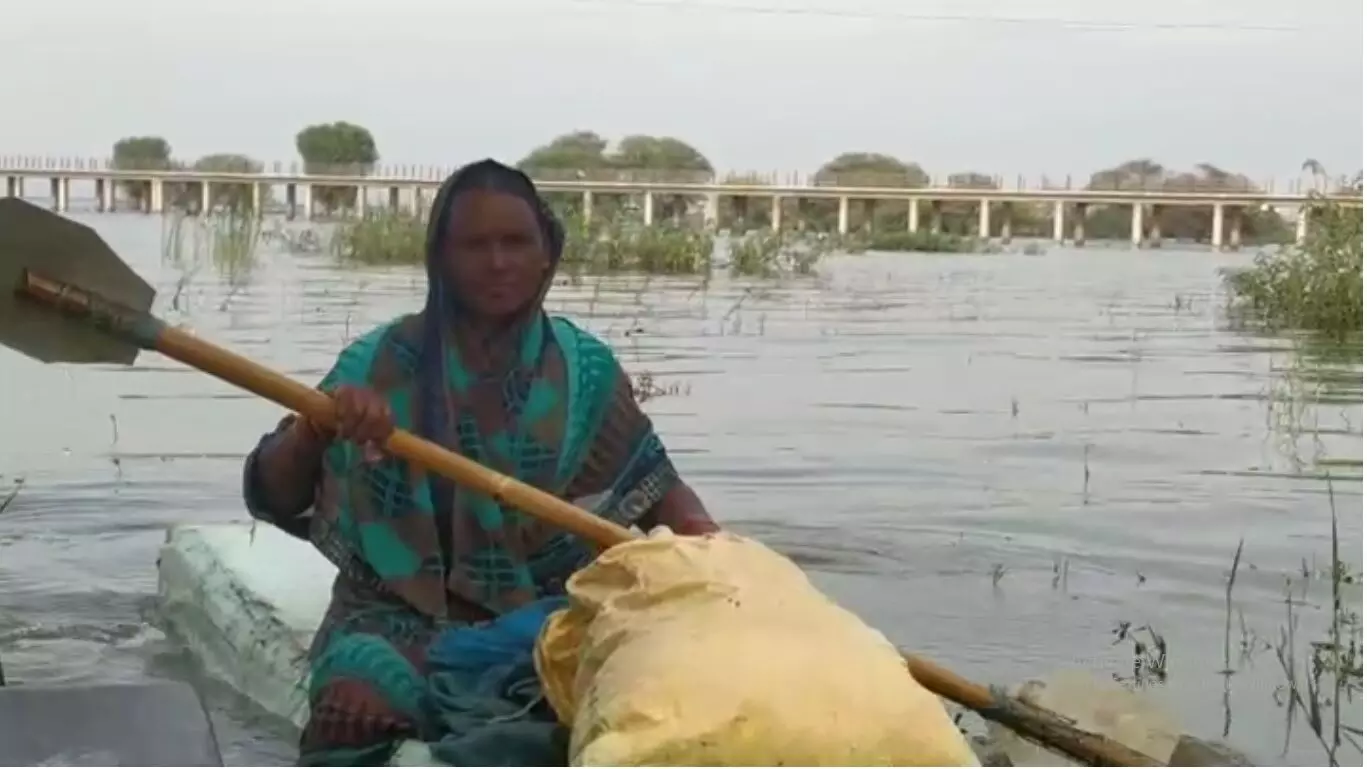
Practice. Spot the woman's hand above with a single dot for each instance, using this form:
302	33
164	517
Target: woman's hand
363	417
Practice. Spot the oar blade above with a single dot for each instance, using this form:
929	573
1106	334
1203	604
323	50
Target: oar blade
34	238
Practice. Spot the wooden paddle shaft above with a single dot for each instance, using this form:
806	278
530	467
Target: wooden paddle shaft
317	406
1043	726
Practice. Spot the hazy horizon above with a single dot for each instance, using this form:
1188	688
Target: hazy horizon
1058	87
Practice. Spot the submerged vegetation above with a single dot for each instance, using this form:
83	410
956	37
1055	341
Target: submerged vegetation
603	247
1321	674
921	241
1314	287
227	239
381	238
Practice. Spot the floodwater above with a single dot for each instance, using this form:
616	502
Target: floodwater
998	460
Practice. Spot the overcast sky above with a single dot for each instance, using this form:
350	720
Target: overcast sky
1044	86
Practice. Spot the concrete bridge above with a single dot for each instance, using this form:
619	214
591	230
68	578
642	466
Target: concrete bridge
407	187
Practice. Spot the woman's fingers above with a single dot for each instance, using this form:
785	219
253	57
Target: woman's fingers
376	422
364	418
348	412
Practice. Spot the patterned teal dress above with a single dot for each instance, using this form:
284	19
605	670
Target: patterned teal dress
420	558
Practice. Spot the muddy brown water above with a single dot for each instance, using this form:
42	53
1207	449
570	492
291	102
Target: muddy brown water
998	460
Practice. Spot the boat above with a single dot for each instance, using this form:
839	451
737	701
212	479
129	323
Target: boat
245	601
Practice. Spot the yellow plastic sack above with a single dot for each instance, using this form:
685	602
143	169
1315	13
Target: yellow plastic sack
689	651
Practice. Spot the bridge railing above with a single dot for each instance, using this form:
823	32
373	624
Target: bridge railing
401	172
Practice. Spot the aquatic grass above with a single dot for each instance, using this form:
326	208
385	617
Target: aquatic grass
381	238
1149	655
1319	677
228	239
12	495
234	241
1315	287
603	246
769	254
622	245
1334	661
391	238
1311	376
921	241
1228	671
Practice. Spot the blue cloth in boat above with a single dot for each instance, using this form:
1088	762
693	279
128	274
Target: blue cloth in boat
476	700
486	699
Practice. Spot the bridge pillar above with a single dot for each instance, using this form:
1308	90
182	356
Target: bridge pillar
360	201
14	187
1155	229
588	206
256	199
156	197
1006	224
1302	225
842	225
870	208
206	198
1137	225
1236	228
776	214
711	211
913	214
1217	228
393	200
648	208
1080	225
291	201
937	218
984	219
1058	222
104	193
306	200
61	187
415	195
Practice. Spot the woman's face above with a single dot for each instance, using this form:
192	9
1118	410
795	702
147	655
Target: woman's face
495	255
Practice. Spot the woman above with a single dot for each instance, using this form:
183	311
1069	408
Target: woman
483	370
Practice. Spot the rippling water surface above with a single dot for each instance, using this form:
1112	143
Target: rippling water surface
996	459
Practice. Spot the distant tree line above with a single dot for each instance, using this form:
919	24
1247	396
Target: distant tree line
346	148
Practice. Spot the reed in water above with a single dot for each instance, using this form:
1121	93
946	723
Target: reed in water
620	244
1314	287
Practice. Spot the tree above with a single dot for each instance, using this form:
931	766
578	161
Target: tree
863	169
660	158
585	155
141	153
235	196
568	156
870	169
1143	174
340	149
1181	222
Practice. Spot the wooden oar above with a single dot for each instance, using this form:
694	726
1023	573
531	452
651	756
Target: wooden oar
65	296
